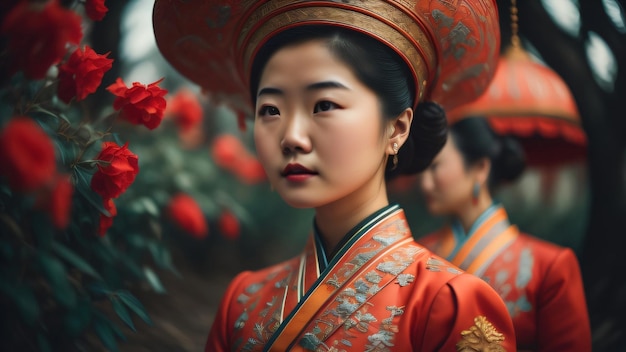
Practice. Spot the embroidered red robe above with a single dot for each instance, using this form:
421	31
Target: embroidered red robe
381	291
539	282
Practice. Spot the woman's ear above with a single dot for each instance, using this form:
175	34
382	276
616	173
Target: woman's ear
481	170
399	128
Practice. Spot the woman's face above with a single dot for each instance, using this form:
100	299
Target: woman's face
318	130
447	184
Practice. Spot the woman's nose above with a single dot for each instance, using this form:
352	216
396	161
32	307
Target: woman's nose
296	136
425	181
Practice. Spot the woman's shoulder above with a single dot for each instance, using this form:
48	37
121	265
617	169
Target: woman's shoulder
433	272
457	304
540	246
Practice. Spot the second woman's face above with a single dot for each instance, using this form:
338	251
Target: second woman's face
318	129
447	184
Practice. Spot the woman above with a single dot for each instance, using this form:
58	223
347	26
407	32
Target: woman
539	281
336	87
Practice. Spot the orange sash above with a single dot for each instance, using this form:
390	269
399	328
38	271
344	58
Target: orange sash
489	239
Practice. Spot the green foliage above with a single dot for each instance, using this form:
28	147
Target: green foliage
59	285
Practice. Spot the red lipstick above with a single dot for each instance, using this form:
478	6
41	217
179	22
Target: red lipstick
297	173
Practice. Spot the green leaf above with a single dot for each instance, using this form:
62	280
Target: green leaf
135	240
99	288
132	267
133	303
38	108
77	320
153	280
105	331
42	229
75	260
24	300
54	271
162	256
118	333
44	345
82	181
122	312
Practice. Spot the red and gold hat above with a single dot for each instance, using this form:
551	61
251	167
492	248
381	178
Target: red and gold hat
451	46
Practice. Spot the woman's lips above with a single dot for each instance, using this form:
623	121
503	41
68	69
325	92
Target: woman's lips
297	173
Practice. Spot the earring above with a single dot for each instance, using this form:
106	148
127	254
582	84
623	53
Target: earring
475	193
394	160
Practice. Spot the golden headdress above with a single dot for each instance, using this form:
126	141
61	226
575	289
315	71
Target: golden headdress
451	46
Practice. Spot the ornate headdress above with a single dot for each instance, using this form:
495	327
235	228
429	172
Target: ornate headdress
450	46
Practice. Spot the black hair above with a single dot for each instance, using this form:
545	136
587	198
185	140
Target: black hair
475	140
384	72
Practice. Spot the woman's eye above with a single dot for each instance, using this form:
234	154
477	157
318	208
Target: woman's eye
324	106
268	111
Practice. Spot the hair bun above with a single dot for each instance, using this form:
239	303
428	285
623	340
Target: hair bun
510	161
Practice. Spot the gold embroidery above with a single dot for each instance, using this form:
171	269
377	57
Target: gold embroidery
481	337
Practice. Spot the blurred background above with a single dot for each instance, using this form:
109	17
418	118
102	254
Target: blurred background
175	276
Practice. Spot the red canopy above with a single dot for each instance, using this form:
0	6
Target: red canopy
530	101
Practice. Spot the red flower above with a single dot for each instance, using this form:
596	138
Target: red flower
140	104
193	138
38	34
185	109
59	202
26	155
107	221
229	225
118	173
227	150
82	74
186	213
249	170
95	9
230	154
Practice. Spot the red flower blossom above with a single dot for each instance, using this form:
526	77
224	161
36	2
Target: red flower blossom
230	154
186	110
140	104
249	170
26	155
38	34
107	221
82	74
227	150
95	9
192	139
118	173
187	214
229	225
59	202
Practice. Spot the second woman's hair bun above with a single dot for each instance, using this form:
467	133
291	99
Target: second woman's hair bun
510	161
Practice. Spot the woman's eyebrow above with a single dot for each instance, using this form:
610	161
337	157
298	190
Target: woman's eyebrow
310	87
325	85
270	91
